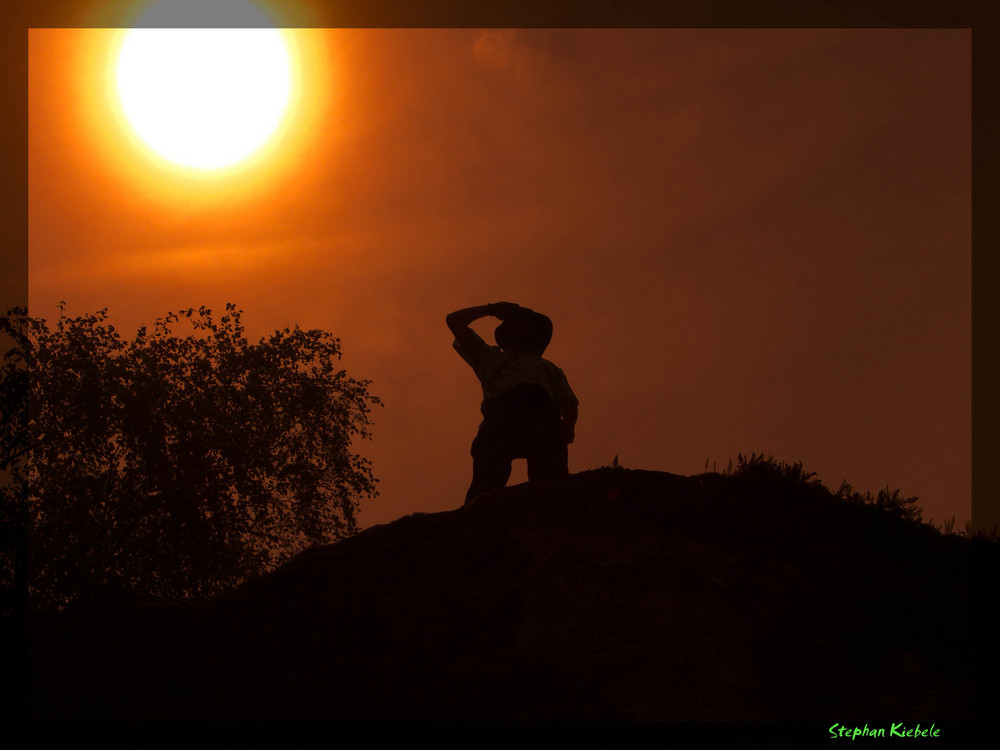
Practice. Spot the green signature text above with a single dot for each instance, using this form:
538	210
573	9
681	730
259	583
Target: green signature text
894	730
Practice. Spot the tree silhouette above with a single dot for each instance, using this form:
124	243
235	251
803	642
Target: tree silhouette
175	465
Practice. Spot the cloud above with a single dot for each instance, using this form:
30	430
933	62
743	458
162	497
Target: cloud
502	49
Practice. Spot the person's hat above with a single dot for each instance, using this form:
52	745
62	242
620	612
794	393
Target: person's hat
529	330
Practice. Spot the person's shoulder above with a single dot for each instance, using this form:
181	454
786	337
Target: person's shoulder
550	365
554	370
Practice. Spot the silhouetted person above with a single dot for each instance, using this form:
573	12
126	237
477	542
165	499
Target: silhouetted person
529	410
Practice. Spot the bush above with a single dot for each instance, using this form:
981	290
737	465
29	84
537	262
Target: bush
891	501
768	470
761	468
175	465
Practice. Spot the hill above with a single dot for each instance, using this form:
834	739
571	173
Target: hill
611	594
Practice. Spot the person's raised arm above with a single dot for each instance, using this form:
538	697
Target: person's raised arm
459	320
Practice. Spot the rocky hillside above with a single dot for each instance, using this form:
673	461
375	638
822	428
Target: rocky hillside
612	594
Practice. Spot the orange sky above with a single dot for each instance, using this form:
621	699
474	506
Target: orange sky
748	240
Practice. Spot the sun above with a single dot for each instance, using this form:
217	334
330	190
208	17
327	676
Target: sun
204	98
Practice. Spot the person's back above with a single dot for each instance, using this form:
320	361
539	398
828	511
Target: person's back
529	410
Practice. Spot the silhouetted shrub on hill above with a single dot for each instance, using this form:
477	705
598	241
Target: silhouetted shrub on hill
769	470
174	465
758	467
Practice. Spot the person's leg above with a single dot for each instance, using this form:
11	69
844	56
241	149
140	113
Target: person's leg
488	473
550	462
491	460
548	454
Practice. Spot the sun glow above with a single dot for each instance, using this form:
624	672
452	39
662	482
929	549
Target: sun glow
204	98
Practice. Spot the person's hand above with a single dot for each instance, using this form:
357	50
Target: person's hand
503	310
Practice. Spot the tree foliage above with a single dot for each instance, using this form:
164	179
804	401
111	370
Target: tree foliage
176	465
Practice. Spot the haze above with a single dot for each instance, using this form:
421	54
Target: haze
748	240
